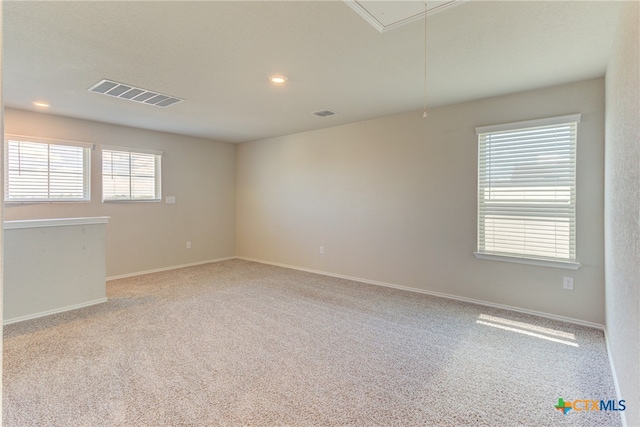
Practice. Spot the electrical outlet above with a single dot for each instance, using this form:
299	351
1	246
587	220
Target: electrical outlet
188	245
321	250
567	283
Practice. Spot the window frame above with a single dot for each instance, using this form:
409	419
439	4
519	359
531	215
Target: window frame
157	173
480	253
86	166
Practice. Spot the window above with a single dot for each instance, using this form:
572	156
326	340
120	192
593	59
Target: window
41	170
527	191
130	174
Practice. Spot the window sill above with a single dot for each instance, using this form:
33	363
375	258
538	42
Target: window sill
37	202
529	261
133	201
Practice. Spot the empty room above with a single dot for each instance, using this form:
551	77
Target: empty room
319	213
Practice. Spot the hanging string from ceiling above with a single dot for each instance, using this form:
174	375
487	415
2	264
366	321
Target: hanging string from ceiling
424	113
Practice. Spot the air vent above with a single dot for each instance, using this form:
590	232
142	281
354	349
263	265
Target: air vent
324	113
132	93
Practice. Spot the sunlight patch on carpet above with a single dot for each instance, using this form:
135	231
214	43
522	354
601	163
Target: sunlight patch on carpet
521	328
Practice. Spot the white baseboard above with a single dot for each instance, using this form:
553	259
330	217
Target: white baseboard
54	311
437	294
615	376
173	267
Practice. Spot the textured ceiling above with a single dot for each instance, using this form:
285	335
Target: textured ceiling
217	55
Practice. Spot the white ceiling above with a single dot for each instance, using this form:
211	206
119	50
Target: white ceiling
217	55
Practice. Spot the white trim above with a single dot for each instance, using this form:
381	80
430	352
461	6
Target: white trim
44	201
614	375
131	200
52	141
547	121
54	311
130	150
173	267
437	294
530	261
54	222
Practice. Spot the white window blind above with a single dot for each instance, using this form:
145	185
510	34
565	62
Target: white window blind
132	175
527	189
40	170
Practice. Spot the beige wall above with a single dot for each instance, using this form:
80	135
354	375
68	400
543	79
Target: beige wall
143	236
394	200
53	267
622	211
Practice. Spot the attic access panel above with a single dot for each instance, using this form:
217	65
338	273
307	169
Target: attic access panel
386	15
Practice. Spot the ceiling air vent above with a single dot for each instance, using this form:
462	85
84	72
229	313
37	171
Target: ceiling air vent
132	93
324	113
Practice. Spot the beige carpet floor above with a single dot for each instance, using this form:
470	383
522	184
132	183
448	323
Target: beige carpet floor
241	343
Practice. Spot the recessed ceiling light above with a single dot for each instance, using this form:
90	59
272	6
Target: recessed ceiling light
40	104
278	80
